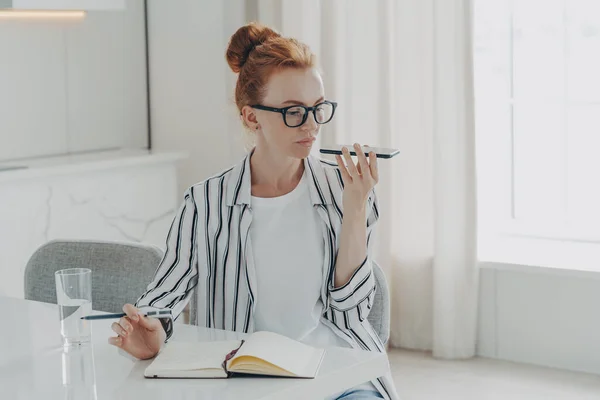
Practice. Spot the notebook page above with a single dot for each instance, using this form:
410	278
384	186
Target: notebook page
286	353
182	356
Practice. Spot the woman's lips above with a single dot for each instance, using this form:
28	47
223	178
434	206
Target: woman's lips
307	142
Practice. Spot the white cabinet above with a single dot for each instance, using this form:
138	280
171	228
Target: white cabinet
73	86
63	4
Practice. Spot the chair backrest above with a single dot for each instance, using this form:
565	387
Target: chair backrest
379	316
120	272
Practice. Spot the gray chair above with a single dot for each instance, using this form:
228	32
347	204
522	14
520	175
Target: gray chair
379	316
120	272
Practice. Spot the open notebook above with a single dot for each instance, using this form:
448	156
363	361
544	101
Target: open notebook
262	353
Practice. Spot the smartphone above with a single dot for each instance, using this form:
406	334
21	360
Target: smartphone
380	152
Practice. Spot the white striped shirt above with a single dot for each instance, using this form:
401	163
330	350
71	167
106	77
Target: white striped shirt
206	250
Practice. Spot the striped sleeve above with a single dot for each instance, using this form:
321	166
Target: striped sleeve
177	273
351	303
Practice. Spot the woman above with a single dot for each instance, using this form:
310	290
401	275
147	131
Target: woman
280	241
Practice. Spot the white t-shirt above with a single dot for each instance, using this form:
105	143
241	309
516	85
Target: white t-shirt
287	245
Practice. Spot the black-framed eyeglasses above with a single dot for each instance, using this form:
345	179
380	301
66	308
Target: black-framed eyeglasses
294	116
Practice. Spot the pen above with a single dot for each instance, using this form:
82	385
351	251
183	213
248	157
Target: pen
149	314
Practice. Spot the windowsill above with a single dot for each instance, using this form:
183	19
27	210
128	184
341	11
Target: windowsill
535	254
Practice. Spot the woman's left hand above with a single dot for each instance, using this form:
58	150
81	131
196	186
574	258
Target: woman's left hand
359	179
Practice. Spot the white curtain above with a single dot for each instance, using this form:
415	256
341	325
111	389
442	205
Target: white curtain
402	74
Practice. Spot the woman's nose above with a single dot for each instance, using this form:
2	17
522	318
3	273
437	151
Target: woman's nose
310	123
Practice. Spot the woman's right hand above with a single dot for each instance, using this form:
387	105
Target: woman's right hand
140	336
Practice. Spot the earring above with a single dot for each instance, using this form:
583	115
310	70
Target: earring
257	127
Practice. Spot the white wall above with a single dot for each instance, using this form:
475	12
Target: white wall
540	316
70	86
191	86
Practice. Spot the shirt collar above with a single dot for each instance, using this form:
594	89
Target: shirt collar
239	186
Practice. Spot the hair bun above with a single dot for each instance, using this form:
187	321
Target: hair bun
244	40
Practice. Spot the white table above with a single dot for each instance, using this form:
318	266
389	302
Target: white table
33	364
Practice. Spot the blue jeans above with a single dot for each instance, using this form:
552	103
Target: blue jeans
359	394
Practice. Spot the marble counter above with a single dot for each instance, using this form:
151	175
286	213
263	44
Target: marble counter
118	196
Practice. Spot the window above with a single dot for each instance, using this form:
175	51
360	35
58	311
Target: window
537	90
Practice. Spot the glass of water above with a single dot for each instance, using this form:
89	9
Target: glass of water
74	298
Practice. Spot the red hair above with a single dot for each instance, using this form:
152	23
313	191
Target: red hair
256	51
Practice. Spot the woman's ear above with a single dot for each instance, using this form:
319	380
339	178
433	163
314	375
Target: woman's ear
249	117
